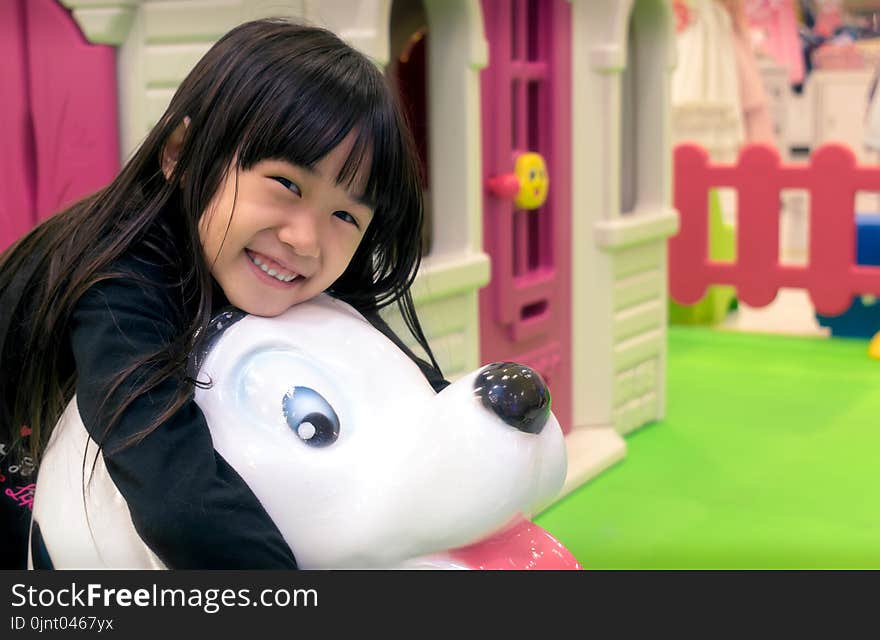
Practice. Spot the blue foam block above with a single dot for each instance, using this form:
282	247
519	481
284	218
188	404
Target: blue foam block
860	320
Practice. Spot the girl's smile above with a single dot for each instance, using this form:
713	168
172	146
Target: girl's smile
271	272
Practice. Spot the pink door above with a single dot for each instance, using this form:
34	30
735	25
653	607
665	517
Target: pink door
525	311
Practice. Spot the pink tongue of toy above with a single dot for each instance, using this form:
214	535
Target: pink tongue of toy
524	545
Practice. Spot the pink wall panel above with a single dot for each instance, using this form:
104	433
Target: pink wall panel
58	116
73	103
17	171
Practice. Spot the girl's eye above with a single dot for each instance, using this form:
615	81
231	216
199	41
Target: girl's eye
288	184
345	215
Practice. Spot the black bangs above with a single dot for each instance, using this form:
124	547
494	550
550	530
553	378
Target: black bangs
301	115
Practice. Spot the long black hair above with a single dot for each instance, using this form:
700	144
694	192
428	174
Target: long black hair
268	89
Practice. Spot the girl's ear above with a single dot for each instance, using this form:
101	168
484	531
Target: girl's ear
171	150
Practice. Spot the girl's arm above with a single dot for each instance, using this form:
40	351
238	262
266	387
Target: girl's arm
186	502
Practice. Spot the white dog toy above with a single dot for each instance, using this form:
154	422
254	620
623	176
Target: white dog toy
355	458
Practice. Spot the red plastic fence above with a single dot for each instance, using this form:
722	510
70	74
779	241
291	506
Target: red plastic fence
832	178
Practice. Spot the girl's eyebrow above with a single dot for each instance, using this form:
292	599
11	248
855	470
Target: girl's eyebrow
360	199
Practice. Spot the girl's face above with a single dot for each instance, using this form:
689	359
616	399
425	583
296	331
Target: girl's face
292	234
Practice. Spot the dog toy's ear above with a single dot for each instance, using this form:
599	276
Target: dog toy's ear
224	319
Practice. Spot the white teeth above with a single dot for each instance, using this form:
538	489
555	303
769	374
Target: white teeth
272	272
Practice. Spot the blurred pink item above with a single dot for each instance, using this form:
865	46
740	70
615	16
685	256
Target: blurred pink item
838	56
755	107
776	20
683	15
828	18
753	98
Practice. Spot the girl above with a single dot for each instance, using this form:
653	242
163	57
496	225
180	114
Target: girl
282	168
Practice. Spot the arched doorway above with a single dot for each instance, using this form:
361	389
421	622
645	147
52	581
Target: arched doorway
408	71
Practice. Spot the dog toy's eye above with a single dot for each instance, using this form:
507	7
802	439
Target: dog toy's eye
310	417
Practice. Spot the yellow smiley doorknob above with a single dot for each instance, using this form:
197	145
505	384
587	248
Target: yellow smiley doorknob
527	185
531	170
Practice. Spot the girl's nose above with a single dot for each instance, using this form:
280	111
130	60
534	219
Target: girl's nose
302	233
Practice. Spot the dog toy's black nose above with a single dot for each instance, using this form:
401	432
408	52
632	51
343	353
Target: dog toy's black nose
516	394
